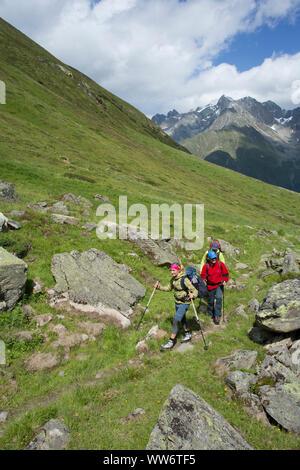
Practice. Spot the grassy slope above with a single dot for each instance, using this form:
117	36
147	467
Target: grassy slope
54	139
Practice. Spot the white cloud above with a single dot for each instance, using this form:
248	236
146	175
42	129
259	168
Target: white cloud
158	54
295	95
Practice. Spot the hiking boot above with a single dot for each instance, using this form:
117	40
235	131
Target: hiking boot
169	345
217	321
187	337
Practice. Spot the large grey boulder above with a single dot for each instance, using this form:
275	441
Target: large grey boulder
187	422
93	283
282	403
54	435
280	309
7	192
13	277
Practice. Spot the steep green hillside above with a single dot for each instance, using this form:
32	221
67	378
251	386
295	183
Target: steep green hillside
245	150
60	132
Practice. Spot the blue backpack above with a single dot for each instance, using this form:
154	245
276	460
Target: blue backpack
197	282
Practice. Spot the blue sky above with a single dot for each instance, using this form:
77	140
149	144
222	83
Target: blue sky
165	54
250	49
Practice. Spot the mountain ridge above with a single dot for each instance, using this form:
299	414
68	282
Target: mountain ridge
261	131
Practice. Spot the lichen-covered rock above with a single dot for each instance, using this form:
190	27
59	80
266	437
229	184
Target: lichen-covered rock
282	404
280	309
13	277
54	435
93	283
240	359
188	422
239	381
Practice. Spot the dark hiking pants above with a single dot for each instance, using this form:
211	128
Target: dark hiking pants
181	310
215	308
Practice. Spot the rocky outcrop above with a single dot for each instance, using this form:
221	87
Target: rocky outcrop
91	282
13	277
280	309
160	251
188	422
282	262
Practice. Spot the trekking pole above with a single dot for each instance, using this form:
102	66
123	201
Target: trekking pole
198	321
145	309
223	303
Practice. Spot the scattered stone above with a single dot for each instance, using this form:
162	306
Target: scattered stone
142	347
59	329
95	329
253	305
64	70
183	348
98	197
187	422
38	286
240	359
233	284
274	348
291	262
69	341
229	250
13	277
12	224
28	310
24	335
3	416
241	266
7	192
155	333
240	382
39	206
240	311
266	273
271	368
62	373
15	213
77	200
59	208
133	415
64	219
44	319
90	226
54	435
40	361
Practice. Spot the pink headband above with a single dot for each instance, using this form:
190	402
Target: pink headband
174	266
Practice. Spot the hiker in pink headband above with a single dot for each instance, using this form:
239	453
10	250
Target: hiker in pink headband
184	292
175	266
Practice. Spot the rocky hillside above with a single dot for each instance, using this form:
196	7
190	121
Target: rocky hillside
75	371
257	139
